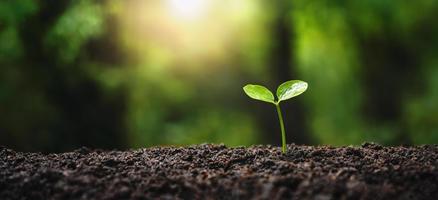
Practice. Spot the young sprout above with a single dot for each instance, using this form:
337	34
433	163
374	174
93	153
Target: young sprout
285	91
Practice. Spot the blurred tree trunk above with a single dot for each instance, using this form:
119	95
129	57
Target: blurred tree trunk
85	116
283	69
389	70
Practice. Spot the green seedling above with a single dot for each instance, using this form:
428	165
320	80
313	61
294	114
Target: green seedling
285	91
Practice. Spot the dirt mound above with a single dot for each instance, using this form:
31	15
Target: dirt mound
217	172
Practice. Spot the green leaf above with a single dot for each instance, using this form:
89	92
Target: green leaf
259	92
290	89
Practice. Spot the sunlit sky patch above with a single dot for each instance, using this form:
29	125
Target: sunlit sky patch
188	9
193	34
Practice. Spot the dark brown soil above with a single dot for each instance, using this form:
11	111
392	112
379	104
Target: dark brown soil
217	172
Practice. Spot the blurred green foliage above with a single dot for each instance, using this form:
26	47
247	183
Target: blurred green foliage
117	74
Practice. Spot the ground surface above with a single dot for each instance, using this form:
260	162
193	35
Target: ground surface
218	172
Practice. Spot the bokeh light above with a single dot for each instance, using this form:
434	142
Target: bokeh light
188	9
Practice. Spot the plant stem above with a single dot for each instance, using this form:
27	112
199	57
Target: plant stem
283	134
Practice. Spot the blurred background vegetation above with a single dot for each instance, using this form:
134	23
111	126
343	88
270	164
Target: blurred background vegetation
135	73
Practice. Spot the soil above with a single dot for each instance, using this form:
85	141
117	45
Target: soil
206	171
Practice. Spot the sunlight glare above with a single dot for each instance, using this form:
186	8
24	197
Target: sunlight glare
187	9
